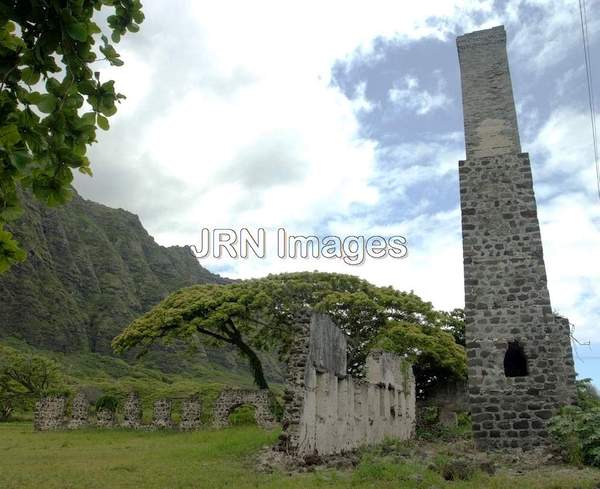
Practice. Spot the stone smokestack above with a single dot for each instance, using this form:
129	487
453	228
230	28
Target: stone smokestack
519	353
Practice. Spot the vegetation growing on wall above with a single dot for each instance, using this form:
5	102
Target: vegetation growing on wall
46	76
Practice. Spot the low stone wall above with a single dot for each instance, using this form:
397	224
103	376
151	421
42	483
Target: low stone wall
162	414
51	414
233	398
132	412
327	411
80	412
106	419
191	410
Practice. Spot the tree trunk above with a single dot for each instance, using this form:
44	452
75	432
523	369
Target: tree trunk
255	364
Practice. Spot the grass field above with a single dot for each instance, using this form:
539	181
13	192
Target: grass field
219	459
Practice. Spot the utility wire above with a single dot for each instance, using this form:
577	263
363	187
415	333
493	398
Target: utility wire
590	86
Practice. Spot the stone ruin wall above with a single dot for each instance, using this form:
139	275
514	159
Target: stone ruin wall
326	410
230	399
448	399
51	414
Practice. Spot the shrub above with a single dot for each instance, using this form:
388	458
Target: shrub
577	432
576	429
243	415
107	403
430	429
457	470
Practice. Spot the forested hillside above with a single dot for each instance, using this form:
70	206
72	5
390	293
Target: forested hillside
90	270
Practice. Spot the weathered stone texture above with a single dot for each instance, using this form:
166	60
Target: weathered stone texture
80	411
50	413
162	414
231	399
449	399
506	293
191	411
132	412
105	418
489	110
326	410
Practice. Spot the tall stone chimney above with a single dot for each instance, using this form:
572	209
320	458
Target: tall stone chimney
519	352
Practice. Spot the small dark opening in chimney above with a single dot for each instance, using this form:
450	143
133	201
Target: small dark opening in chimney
515	361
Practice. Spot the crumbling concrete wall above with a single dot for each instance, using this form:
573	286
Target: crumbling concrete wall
50	413
231	399
327	411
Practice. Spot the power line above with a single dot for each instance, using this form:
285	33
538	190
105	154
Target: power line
590	85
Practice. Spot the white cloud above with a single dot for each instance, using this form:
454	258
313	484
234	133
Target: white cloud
359	101
546	35
408	95
213	95
564	145
569	211
570	226
232	120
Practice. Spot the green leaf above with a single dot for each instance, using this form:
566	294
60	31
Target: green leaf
103	122
78	31
29	76
53	86
20	159
9	135
88	119
115	36
33	98
86	170
47	103
10	253
108	110
79	149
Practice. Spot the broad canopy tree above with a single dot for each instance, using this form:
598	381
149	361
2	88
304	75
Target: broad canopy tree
23	379
51	98
256	315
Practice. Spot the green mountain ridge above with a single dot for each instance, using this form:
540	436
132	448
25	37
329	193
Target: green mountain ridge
90	271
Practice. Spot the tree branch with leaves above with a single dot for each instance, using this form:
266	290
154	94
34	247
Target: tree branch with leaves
51	99
257	315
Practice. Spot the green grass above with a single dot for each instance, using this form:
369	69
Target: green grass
219	459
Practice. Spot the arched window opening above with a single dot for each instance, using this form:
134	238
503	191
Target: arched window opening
515	361
243	414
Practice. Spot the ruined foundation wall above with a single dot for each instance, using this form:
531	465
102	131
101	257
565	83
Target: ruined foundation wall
51	414
328	411
231	399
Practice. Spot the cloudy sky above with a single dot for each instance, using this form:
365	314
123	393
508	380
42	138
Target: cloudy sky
341	118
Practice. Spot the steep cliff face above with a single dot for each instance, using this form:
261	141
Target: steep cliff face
90	271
